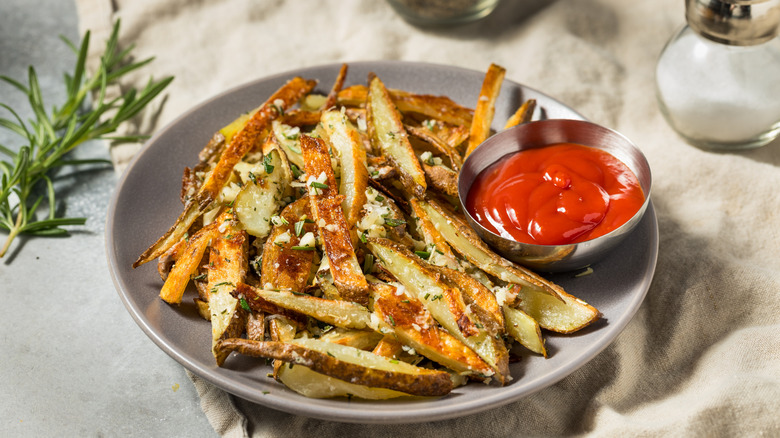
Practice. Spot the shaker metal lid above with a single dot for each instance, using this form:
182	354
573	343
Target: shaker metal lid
734	22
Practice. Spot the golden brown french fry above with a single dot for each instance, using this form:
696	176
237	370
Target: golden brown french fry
442	179
347	143
227	266
414	326
436	295
523	114
486	107
389	136
261	197
348	364
187	264
524	330
340	313
563	316
432	139
332	98
246	139
329	217
282	266
360	339
436	107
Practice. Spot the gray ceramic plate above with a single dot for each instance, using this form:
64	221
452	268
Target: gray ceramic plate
146	204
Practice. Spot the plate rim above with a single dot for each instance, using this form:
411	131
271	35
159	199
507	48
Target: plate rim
424	411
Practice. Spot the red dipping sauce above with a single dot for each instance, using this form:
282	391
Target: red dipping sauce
554	195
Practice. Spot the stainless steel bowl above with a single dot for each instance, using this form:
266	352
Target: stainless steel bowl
555	258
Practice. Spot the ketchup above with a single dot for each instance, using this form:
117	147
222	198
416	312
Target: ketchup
554	195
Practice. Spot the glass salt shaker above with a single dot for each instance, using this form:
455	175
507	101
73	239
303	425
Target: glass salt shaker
718	78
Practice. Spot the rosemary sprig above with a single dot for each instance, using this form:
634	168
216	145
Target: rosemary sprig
49	136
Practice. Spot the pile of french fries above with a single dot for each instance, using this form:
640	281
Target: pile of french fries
323	232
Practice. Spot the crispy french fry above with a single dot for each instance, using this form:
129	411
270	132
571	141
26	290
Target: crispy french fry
261	197
436	107
329	218
428	136
486	107
227	266
563	316
413	325
346	141
187	264
282	266
436	295
343	314
442	179
389	136
524	330
348	364
523	114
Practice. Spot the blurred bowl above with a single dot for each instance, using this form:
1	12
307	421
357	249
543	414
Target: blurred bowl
555	258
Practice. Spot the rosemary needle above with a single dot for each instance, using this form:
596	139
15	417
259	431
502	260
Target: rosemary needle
49	136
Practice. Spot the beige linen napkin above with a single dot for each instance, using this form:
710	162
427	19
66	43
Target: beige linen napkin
702	355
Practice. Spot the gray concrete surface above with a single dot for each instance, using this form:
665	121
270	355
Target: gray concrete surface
73	361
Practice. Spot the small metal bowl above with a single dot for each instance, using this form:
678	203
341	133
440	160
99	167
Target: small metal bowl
555	258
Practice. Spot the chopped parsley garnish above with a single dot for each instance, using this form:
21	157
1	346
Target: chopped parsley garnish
244	304
269	168
391	222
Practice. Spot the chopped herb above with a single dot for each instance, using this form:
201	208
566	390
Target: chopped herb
393	360
269	168
318	185
392	320
436	297
295	171
379	198
244	304
199	277
253	177
391	222
405	301
303	248
363	237
423	254
427	295
330	354
299	228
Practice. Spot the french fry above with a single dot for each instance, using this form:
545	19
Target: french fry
348	364
187	264
343	314
523	114
566	315
436	107
389	136
437	297
524	330
346	141
227	265
329	217
282	266
261	197
413	325
486	107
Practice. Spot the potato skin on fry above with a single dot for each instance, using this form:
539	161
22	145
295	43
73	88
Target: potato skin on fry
426	382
